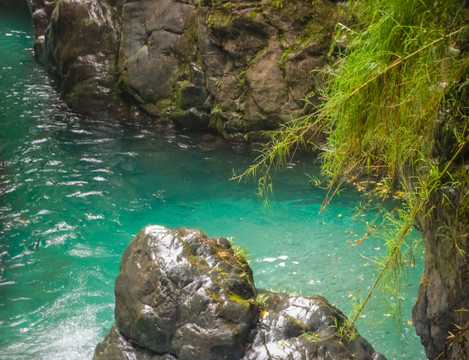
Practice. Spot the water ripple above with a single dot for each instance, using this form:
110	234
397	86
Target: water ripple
82	195
91	160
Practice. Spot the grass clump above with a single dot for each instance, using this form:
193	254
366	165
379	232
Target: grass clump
385	97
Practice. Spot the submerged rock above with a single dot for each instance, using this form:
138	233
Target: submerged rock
182	295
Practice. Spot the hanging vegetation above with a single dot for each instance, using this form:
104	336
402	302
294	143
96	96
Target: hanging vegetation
401	83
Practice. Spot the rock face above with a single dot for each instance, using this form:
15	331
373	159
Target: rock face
296	327
443	298
440	314
233	66
181	295
78	41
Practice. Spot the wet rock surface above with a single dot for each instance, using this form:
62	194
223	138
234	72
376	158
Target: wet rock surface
297	327
182	295
440	314
78	42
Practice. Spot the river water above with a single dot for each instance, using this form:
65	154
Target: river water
75	190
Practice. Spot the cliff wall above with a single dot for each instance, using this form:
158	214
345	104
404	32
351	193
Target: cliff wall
441	312
236	67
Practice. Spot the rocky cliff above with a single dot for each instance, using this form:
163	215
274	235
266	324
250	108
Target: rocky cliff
182	295
232	66
441	312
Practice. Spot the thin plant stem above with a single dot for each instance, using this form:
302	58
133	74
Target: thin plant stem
402	234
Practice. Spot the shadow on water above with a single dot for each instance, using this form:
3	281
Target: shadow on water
20	7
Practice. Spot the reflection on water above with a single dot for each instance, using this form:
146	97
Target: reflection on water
75	190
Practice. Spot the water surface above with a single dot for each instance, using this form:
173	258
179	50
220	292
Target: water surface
75	190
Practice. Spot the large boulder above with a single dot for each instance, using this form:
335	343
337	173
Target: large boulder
179	292
182	295
297	327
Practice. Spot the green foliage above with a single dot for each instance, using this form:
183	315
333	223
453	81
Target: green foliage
241	78
447	233
385	104
284	58
220	13
384	99
284	143
345	331
277	4
240	300
216	111
240	253
261	300
402	80
309	336
216	119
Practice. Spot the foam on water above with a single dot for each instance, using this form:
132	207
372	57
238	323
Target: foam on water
74	191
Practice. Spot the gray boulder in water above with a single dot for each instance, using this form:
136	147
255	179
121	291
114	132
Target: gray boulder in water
182	295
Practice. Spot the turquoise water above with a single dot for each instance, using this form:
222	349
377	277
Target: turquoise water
75	190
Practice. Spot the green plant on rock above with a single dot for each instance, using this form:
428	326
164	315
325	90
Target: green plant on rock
309	336
239	299
220	13
216	119
451	234
261	300
277	4
216	111
240	253
284	58
241	79
345	331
